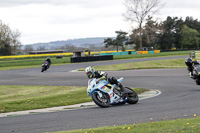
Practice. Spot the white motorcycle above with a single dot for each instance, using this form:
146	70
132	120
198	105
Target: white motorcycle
104	94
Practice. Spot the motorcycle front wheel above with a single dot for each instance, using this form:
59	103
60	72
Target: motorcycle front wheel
103	101
132	96
43	68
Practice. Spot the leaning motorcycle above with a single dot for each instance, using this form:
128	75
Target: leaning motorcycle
193	69
45	66
104	94
196	73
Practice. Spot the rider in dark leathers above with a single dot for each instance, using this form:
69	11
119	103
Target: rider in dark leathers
189	62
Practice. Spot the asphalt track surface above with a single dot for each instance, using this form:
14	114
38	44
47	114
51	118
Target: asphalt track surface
179	98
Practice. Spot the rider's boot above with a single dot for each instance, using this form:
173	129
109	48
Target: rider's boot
191	75
122	90
118	85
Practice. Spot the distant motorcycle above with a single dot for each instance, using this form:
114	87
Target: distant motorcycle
45	66
104	94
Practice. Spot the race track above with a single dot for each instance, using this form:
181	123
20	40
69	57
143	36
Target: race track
179	98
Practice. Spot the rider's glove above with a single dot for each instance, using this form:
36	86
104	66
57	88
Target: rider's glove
103	77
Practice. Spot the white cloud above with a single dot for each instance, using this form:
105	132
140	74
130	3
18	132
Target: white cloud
181	8
50	20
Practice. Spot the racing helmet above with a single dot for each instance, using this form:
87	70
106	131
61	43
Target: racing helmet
89	71
188	61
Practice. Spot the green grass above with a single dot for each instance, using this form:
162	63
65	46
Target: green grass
189	125
172	63
8	64
19	97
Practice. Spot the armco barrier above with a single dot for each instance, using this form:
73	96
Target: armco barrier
131	52
116	53
139	52
156	51
124	53
151	52
145	52
106	53
91	58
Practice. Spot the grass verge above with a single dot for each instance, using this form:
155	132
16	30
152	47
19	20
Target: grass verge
20	97
189	125
172	63
8	64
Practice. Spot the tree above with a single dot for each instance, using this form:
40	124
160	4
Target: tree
189	37
69	48
167	34
151	29
192	23
149	34
28	48
41	48
15	43
178	26
134	39
109	42
138	10
120	40
9	42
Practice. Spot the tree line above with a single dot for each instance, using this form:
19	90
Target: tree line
172	33
9	40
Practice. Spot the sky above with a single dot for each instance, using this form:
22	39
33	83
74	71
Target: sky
53	20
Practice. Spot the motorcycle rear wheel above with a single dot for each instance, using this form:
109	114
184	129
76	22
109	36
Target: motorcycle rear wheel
132	97
103	101
198	81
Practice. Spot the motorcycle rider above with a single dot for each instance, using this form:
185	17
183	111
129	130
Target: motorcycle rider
49	62
189	62
91	73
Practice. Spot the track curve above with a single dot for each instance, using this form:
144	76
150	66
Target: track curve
179	99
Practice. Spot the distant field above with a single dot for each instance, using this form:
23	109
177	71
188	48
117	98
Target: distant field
20	63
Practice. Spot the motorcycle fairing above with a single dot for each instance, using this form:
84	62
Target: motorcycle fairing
196	71
104	86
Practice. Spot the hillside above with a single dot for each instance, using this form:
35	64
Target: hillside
81	42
